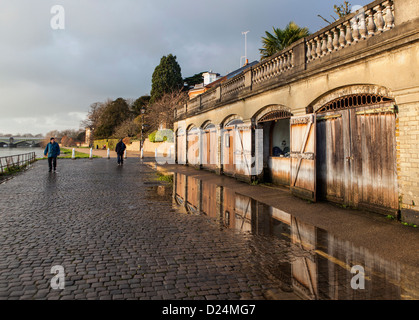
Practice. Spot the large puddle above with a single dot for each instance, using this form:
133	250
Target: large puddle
307	260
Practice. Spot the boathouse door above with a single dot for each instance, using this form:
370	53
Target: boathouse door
303	156
356	152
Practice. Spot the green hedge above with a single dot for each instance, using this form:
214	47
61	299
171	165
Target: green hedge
161	135
152	136
110	143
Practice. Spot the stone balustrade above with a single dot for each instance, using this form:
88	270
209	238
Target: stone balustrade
273	67
366	22
233	85
209	97
194	104
369	21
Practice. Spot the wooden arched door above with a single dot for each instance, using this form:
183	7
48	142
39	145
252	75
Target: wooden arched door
356	152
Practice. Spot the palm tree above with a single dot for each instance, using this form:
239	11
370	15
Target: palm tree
280	39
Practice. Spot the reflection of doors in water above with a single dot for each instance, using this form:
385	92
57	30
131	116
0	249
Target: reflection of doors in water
356	156
209	199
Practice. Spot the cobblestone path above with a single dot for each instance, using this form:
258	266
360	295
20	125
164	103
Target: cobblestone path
117	241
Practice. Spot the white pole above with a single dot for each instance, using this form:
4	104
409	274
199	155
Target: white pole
73	154
109	154
125	154
91	153
142	153
245	45
155	154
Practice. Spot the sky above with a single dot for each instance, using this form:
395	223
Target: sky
52	69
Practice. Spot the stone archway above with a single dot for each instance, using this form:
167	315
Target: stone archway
273	123
209	145
356	148
230	118
274	110
351	90
181	142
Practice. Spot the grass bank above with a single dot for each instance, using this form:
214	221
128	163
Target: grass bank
67	153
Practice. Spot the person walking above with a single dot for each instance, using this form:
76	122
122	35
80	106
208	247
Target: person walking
119	149
52	150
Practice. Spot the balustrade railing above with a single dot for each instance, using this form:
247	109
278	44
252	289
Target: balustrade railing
363	24
194	104
208	97
370	20
273	67
232	86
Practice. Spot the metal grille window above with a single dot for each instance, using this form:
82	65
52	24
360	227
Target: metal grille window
275	115
353	101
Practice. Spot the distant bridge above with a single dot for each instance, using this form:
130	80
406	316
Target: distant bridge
20	142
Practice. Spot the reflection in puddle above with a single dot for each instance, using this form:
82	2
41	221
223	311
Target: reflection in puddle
307	260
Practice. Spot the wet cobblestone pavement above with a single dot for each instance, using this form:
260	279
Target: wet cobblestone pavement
117	241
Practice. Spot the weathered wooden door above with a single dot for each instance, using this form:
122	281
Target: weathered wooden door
181	147
356	157
303	156
205	148
209	148
332	165
228	154
373	158
193	146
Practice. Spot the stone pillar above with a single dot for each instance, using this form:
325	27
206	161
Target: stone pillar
219	137
175	145
185	154
257	152
248	78
200	148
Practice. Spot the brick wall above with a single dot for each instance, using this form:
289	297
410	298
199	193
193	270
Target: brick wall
407	136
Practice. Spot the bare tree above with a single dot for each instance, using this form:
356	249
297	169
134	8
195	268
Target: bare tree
341	10
93	116
128	128
161	112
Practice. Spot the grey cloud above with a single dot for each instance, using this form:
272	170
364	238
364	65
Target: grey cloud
109	49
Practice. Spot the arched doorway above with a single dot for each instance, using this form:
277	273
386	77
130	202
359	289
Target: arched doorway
209	146
276	145
356	152
192	145
181	146
231	145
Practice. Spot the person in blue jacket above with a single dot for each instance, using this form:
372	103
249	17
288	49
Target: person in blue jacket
52	150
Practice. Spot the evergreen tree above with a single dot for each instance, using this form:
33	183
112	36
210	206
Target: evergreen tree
167	77
141	102
113	115
195	79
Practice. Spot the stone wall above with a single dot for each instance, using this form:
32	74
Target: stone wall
163	147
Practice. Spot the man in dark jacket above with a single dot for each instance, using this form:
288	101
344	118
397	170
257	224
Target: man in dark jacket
52	150
120	148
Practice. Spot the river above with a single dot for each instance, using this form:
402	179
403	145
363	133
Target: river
15	151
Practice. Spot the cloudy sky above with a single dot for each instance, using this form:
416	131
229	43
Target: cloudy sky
109	49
